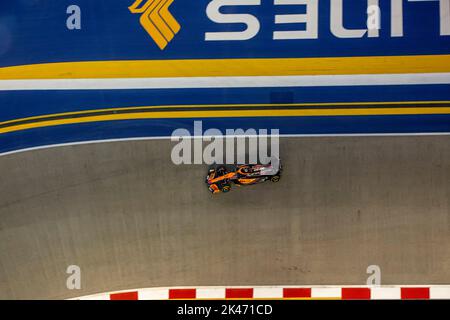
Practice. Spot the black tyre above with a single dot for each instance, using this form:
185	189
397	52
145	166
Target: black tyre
275	178
226	188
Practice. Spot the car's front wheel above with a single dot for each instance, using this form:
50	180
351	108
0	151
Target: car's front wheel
275	178
226	188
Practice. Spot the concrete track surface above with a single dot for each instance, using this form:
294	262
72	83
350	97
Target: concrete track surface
130	218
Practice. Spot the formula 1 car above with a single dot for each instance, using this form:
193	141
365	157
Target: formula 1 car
219	179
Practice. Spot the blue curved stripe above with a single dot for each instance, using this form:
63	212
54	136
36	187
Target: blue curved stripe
21	104
287	125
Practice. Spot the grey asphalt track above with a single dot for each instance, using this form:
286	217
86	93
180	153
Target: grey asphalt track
130	218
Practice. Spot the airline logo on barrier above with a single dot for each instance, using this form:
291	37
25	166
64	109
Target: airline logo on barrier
157	20
162	26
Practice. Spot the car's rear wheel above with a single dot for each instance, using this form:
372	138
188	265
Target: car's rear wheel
275	178
226	188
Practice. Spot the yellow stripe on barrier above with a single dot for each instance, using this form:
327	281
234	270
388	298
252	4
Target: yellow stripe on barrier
229	114
229	67
255	106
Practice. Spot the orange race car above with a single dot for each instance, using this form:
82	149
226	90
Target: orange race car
219	179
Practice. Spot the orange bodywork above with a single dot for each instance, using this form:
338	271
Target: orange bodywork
214	188
230	175
242	176
247	181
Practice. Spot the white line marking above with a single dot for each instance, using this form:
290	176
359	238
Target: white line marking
440	293
94	297
227	82
326	292
153	294
385	293
210	293
271	292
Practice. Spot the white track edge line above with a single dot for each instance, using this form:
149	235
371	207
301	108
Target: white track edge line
226	82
